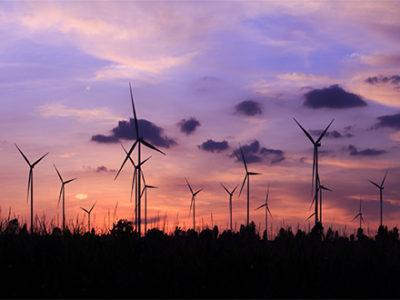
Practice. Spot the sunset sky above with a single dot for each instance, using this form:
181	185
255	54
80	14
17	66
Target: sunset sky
206	76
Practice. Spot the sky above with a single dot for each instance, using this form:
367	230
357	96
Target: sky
206	77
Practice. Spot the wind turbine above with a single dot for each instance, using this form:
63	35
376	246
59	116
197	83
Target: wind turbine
146	186
316	144
193	203
230	201
88	212
267	211
359	215
380	187
62	193
30	180
246	177
139	141
321	187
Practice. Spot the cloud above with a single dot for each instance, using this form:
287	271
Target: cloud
249	108
189	126
254	153
366	152
331	134
213	146
332	97
81	196
60	110
392	121
104	169
394	79
126	130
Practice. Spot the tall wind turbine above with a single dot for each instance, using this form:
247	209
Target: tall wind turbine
359	215
246	177
380	187
146	186
230	202
193	203
88	212
62	194
267	211
316	144
139	141
30	180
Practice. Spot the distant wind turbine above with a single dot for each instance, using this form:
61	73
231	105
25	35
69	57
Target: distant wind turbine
139	141
146	186
88	212
62	194
380	187
321	187
193	203
246	177
316	144
267	211
230	202
360	214
30	180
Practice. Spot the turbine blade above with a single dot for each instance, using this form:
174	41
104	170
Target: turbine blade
29	185
142	163
254	173
151	187
68	181
59	175
191	203
355	217
244	181
243	158
151	146
189	186
225	188
85	210
310	216
197	192
129	157
234	190
133	184
59	196
269	212
126	158
324	132
383	181
36	162
23	155
305	131
262	205
374	184
134	112
90	210
314	169
324	188
362	219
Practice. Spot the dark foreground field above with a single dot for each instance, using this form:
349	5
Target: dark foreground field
205	265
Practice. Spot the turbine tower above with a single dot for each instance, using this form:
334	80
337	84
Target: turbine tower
146	186
88	212
230	202
267	211
321	187
139	142
193	203
380	187
30	180
62	193
246	177
359	215
315	183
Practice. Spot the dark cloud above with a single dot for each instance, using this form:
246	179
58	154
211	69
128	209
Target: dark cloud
104	169
394	79
254	153
249	108
392	121
332	97
331	134
213	146
189	126
127	131
366	152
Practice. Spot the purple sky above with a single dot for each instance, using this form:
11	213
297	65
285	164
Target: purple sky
206	76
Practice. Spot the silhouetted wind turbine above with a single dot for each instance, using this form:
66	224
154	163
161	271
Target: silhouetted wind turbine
321	187
246	177
316	144
146	186
230	201
193	203
62	193
267	211
380	187
88	212
30	180
359	215
139	141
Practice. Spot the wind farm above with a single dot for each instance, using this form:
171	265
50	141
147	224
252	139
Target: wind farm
224	113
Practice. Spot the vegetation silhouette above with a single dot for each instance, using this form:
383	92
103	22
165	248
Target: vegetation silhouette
191	264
